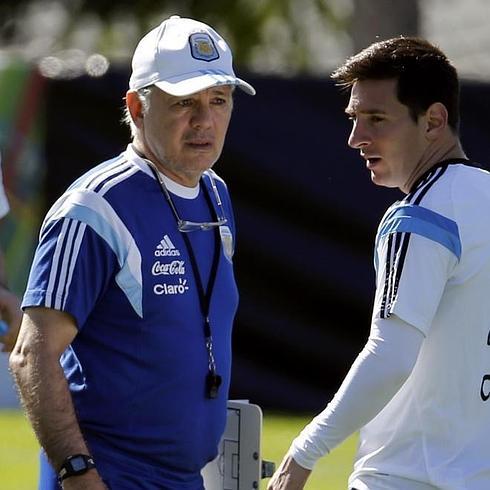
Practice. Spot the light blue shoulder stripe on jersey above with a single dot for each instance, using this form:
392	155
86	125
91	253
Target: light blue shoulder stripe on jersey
127	282
97	170
411	218
92	209
104	170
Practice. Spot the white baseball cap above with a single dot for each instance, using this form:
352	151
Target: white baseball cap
183	56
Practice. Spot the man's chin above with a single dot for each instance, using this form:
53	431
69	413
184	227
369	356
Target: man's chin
376	179
380	181
200	160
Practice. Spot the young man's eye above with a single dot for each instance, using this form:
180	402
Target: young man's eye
376	119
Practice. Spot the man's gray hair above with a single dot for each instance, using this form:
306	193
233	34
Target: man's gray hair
144	96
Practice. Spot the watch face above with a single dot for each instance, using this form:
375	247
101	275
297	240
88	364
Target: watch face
78	463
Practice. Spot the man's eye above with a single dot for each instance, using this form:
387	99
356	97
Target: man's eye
219	101
184	102
376	119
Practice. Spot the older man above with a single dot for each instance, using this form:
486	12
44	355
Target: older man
132	286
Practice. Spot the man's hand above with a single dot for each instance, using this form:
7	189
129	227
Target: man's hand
10	312
289	476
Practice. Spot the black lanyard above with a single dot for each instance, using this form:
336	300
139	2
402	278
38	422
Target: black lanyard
213	379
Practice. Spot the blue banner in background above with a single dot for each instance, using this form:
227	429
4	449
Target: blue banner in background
305	207
306	217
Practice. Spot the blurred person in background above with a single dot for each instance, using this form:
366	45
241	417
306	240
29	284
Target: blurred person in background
10	312
419	390
124	354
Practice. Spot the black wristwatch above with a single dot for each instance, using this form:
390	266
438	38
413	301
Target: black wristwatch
75	465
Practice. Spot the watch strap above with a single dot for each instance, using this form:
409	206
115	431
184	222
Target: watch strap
75	465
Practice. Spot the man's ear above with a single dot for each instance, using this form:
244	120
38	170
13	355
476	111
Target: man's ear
436	120
135	107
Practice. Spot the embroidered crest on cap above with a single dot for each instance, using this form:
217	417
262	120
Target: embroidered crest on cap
202	47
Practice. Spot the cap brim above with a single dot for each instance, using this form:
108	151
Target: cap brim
201	81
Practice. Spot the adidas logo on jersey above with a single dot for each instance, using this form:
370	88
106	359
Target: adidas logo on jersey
166	248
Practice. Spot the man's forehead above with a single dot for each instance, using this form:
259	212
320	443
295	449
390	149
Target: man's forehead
368	95
222	89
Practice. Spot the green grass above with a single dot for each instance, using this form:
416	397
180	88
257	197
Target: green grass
19	452
330	473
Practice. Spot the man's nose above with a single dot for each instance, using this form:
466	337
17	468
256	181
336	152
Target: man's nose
359	136
202	116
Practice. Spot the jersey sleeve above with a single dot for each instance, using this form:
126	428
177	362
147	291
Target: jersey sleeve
72	267
417	250
376	375
84	244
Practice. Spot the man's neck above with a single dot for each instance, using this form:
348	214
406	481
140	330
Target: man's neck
433	155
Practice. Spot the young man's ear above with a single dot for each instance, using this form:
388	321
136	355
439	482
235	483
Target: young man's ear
135	107
436	120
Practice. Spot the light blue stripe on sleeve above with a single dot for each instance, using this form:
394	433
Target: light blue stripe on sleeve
125	278
424	222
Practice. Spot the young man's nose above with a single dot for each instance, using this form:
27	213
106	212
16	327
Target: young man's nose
358	137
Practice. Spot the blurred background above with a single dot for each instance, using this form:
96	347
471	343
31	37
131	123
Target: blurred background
306	210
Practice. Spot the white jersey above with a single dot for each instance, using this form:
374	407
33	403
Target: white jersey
433	271
4	204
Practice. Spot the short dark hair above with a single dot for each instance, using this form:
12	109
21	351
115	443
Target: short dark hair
423	72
